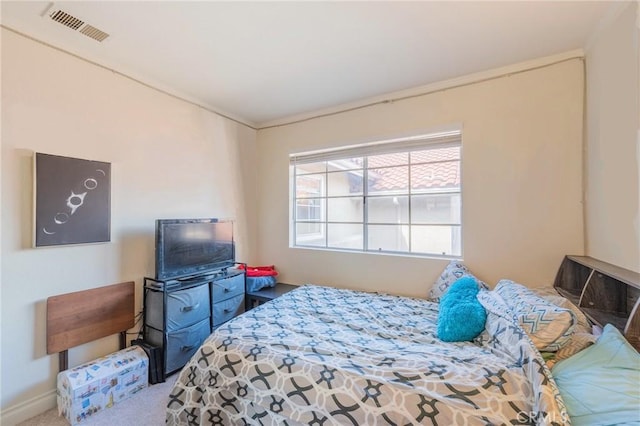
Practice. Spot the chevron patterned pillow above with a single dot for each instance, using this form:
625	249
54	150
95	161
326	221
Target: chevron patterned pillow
549	326
452	273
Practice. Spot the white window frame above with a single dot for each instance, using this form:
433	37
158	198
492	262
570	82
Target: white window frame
421	142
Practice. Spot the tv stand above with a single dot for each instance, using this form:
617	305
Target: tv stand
180	313
192	279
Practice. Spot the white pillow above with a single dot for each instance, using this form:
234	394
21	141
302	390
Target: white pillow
576	343
582	337
549	326
582	323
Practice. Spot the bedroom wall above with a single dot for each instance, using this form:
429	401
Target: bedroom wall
613	140
169	159
521	189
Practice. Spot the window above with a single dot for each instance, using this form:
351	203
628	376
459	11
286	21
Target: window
400	196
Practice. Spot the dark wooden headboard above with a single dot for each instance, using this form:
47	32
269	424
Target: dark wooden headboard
83	316
606	293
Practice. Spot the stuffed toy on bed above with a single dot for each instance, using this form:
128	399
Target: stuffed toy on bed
461	317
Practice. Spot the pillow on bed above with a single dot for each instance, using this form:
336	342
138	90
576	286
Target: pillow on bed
583	325
454	271
582	337
577	342
461	316
600	384
549	326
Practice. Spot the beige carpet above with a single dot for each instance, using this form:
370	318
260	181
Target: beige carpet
146	408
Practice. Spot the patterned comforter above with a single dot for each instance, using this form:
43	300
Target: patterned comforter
324	356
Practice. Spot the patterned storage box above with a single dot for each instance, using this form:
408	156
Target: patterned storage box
90	388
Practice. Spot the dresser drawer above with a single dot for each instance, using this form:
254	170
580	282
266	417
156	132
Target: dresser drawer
181	344
227	288
184	307
227	309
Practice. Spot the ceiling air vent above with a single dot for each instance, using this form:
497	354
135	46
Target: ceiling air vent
76	24
66	19
94	33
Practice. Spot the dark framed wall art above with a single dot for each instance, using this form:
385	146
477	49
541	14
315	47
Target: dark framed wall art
72	201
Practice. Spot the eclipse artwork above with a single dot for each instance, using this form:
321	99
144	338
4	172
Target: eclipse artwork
72	201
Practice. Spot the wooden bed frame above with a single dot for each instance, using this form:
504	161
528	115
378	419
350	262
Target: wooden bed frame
83	316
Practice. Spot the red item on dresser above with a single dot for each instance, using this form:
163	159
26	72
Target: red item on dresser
260	271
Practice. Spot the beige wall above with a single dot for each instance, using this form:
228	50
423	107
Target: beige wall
613	142
521	189
169	159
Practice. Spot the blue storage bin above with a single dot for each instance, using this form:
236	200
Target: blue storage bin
258	283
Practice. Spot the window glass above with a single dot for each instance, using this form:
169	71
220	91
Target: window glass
388	238
393	209
435	209
344	236
344	183
435	155
430	177
389	180
386	160
390	197
309	209
310	186
311	234
345	209
345	164
441	240
320	166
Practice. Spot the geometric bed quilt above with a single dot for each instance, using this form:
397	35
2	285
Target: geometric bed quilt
325	356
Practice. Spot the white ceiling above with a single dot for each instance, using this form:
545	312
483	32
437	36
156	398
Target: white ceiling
261	62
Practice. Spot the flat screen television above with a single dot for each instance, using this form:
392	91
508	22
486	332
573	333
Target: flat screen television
187	247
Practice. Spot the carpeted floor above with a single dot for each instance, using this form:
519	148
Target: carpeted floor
146	408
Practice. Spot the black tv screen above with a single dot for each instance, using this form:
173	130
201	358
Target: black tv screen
186	247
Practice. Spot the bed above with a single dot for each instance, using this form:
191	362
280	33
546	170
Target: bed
325	356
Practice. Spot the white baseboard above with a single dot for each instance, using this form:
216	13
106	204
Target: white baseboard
27	409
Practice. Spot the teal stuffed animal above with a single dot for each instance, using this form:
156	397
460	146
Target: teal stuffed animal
461	317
